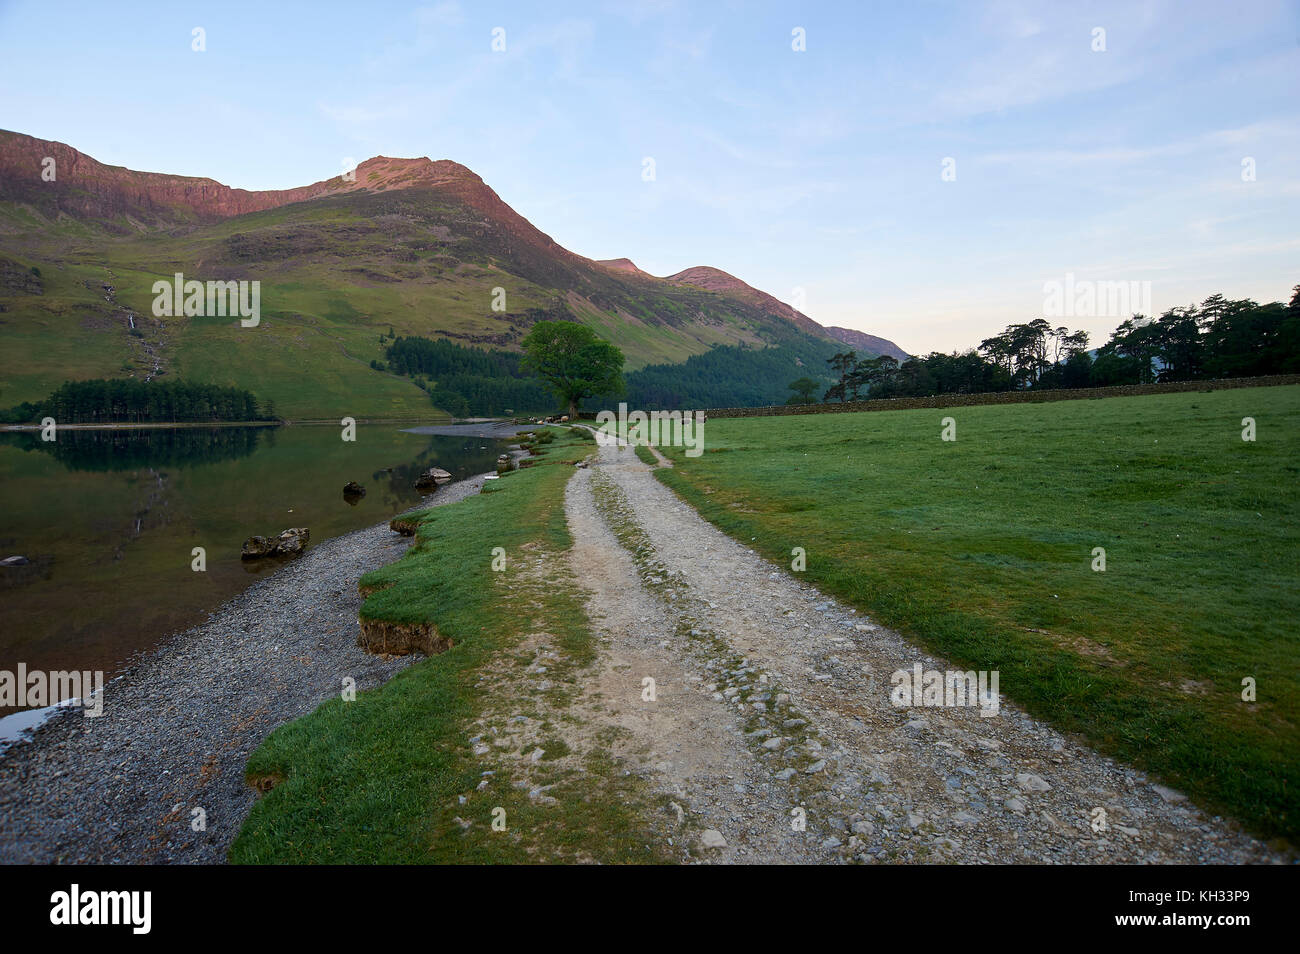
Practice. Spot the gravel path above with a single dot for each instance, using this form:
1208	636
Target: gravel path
774	710
178	727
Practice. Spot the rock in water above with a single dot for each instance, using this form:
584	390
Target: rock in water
15	561
431	478
293	540
255	547
353	489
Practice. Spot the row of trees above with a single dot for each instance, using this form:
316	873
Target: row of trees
730	375
437	358
467	395
1217	339
129	401
562	358
467	381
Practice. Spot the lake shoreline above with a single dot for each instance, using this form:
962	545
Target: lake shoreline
143	426
467	425
179	723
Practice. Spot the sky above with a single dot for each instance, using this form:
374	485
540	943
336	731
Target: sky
920	171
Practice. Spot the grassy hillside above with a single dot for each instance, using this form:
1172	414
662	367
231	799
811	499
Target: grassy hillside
336	273
67	332
982	549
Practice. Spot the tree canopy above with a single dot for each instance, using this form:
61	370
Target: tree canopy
573	361
465	381
1217	339
130	401
804	388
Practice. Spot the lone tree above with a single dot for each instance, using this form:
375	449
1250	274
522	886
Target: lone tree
573	361
803	389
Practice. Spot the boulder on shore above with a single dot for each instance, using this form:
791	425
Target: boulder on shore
293	540
431	478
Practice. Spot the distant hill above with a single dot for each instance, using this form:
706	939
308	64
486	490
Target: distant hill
863	343
414	246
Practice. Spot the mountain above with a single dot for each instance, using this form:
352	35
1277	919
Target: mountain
414	247
622	265
713	279
865	344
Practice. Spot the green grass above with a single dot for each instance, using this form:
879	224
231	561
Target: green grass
316	367
67	333
981	549
377	780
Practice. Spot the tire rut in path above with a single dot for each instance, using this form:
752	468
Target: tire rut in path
689	747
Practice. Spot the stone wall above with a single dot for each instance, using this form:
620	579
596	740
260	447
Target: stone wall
1006	397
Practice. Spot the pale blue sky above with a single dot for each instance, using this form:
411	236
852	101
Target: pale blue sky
816	170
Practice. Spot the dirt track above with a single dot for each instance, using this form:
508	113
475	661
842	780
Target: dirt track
772	698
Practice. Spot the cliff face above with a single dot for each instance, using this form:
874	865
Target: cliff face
88	189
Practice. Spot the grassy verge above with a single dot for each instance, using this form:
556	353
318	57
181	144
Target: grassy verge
982	549
380	779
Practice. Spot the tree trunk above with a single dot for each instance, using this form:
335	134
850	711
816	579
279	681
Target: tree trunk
573	410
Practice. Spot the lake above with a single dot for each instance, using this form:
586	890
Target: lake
109	520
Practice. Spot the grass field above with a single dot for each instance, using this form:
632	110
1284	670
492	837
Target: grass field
377	780
982	549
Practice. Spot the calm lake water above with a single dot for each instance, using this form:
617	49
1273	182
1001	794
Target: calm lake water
109	520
